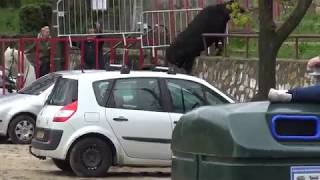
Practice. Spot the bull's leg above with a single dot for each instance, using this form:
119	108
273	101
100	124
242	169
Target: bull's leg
187	66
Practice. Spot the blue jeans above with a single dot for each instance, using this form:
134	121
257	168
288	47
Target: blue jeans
309	94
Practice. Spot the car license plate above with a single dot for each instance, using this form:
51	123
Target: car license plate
305	173
40	134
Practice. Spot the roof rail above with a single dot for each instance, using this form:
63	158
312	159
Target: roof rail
169	70
124	69
113	67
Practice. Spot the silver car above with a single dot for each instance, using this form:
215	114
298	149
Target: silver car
18	111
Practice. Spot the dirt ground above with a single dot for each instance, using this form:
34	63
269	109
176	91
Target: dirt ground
16	163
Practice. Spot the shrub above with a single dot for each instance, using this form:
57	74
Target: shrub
3	4
33	17
10	3
14	3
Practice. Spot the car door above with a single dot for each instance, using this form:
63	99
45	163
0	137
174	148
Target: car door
137	116
186	95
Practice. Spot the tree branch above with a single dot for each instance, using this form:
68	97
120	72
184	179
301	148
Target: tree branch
292	22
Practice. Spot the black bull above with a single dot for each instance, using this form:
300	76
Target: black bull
189	44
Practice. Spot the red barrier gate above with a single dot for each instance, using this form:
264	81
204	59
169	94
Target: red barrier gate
71	59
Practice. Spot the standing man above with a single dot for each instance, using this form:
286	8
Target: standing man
44	50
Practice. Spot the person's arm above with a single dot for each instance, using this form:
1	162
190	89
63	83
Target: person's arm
31	48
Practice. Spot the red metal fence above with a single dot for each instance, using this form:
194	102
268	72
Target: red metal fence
111	47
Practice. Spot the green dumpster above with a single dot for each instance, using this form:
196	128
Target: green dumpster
249	141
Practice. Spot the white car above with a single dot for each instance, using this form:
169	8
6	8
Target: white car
95	120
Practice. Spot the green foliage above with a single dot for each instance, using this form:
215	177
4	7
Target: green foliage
29	19
309	24
238	18
27	2
3	4
9	21
33	17
10	3
306	49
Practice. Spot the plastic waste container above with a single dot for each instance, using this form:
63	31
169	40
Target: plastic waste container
248	141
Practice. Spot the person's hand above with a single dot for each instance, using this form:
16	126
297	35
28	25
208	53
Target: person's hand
313	62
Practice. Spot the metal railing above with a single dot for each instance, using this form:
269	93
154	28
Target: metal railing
76	17
17	60
248	36
166	25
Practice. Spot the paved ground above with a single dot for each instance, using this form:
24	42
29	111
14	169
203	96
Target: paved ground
16	163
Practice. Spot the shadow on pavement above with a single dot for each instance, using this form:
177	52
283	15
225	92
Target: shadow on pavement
139	174
4	140
110	174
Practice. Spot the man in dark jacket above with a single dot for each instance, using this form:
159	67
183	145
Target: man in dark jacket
90	51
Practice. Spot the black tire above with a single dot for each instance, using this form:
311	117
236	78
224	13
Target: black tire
21	129
63	165
91	157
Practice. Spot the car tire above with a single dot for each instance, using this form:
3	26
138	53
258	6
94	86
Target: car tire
21	129
63	165
91	157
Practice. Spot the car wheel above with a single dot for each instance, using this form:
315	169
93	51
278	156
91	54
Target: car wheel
64	165
90	157
21	129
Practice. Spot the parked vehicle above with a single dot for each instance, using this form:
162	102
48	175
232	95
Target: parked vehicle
95	120
18	111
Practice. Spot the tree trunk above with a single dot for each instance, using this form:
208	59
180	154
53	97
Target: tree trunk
270	41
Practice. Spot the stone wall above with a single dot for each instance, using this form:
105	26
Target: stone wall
238	77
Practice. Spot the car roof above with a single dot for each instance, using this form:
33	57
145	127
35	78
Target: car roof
93	75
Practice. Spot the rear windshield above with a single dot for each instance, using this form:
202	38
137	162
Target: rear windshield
65	92
40	85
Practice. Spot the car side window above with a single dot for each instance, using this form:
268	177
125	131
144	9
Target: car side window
185	95
137	94
102	90
213	97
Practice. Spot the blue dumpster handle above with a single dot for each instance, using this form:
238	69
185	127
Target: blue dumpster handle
277	118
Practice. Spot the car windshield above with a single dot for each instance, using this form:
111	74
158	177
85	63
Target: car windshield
40	85
65	92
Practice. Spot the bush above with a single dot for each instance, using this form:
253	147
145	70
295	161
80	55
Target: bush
33	17
10	3
3	4
46	13
14	3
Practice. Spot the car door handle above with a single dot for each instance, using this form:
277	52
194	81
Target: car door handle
120	119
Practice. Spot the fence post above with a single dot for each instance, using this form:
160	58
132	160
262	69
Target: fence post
247	47
297	47
141	58
225	45
52	50
201	3
37	58
205	44
97	41
66	55
82	55
3	68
